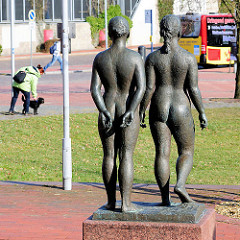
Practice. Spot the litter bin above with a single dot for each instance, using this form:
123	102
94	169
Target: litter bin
47	34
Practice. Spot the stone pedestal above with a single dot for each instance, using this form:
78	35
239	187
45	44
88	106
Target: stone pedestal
184	222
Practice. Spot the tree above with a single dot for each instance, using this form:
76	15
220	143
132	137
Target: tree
233	7
165	7
38	9
98	23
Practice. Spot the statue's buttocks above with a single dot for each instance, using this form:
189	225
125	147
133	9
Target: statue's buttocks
170	97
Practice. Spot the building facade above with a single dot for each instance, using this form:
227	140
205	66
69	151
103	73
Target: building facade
195	6
51	10
49	13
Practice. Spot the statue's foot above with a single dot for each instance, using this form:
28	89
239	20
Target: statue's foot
110	206
165	204
183	195
129	208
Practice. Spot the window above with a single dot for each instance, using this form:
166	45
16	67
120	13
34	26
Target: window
128	7
77	9
85	8
5	10
191	25
57	9
51	10
48	10
28	7
19	10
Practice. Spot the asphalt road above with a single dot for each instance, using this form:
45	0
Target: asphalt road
50	85
216	84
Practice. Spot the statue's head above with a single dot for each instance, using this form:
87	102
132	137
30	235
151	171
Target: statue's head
170	26
118	27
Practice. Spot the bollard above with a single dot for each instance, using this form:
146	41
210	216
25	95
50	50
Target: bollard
142	52
235	66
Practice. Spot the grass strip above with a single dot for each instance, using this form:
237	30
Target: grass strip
31	150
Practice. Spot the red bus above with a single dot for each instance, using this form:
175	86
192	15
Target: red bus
209	37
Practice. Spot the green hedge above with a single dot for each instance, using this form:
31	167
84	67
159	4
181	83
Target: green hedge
98	23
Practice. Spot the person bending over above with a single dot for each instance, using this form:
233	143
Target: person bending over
26	87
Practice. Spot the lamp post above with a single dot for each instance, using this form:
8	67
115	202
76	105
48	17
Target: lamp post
66	142
12	38
106	25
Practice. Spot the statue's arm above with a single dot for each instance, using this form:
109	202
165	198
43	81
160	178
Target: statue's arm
194	92
150	87
140	79
95	90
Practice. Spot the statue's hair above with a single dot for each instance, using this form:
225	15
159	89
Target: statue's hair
118	27
170	26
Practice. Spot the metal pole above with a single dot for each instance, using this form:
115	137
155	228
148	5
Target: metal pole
90	8
151	31
151	37
131	7
66	142
24	8
98	8
31	46
12	38
106	25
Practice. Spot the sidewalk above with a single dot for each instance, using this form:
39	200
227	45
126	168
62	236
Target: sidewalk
79	52
45	211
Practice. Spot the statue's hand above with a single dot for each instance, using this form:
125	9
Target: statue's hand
127	119
142	120
203	121
106	119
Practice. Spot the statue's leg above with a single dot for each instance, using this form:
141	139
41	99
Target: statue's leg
162	139
109	169
127	142
184	135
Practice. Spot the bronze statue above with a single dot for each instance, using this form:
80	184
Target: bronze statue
171	82
121	72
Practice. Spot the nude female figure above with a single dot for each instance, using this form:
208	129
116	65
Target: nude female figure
121	72
171	82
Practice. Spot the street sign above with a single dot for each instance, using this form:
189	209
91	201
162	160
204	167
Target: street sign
31	15
32	25
148	19
148	16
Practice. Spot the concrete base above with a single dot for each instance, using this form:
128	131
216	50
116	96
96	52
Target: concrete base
152	212
205	229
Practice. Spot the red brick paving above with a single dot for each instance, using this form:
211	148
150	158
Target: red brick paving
38	211
216	83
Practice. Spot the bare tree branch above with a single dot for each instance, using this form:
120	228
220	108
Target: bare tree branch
230	8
